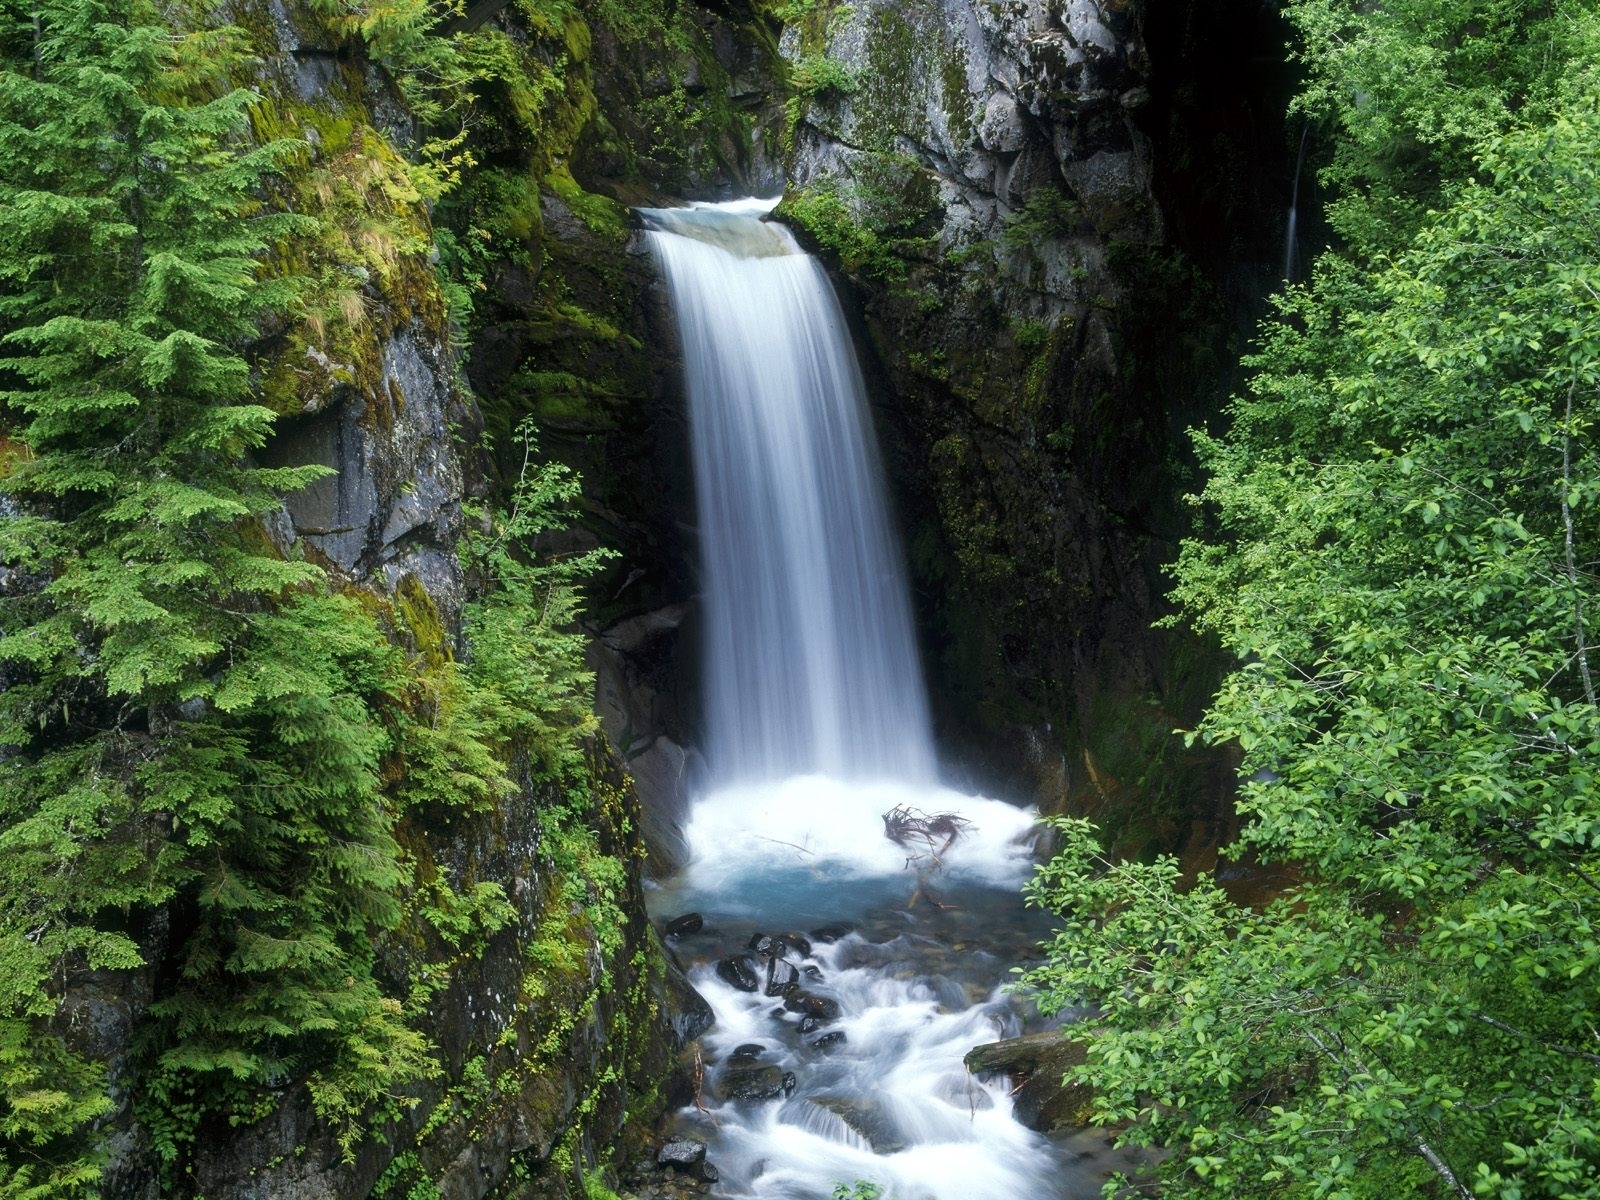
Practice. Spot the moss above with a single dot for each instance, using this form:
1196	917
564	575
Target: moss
600	214
955	100
421	624
889	105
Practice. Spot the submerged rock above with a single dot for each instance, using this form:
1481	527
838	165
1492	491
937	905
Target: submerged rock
684	925
809	1004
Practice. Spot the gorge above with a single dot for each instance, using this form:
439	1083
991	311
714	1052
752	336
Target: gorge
526	674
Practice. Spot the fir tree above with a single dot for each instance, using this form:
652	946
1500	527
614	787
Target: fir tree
188	716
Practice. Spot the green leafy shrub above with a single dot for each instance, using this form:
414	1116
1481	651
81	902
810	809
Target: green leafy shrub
1403	566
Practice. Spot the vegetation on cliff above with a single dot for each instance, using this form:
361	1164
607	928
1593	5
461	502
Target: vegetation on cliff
211	750
1404	516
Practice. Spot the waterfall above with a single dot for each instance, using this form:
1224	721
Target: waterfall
810	663
847	1064
1291	238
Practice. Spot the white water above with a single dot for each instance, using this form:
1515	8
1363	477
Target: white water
817	725
809	660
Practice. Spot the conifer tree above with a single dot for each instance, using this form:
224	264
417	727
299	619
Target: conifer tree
187	717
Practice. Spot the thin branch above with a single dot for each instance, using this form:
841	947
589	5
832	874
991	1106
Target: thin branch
1443	1168
1551	1046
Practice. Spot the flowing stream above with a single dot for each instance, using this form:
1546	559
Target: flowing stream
884	961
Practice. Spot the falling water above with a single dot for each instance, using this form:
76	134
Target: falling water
810	662
817	726
1291	237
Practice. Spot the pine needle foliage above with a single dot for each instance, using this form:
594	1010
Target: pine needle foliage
188	716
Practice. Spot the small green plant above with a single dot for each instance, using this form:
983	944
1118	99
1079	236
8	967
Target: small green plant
1046	214
861	1189
815	77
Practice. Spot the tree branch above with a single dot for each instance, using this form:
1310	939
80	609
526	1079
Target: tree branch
1522	1033
1443	1168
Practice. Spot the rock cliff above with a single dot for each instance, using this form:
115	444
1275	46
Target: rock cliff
1023	198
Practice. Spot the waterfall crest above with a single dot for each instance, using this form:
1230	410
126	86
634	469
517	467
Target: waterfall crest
810	662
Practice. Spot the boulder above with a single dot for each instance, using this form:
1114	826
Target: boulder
766	946
1037	1062
754	1082
736	971
684	925
782	977
809	1004
683	1154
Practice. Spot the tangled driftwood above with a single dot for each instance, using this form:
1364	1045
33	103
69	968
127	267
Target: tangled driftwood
927	837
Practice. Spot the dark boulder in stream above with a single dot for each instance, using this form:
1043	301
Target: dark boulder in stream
767	946
754	1082
782	977
809	1004
736	971
684	925
1038	1062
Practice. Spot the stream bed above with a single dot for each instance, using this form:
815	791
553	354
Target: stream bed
849	972
895	963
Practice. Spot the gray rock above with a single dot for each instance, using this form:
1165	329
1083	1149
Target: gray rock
681	1155
753	1082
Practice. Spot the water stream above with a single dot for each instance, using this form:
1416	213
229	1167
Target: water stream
884	961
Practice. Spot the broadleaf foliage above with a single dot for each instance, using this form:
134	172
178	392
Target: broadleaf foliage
1404	565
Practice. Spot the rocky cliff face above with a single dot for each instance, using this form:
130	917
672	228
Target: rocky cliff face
1018	194
559	1021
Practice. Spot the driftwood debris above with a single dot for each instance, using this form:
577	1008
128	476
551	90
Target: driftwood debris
926	836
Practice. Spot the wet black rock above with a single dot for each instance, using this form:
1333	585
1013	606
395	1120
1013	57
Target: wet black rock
798	942
782	977
736	971
709	1173
829	1040
869	1118
813	972
829	933
681	1155
684	925
809	1004
747	1053
766	945
752	1081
